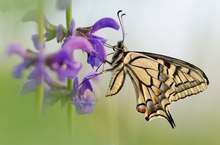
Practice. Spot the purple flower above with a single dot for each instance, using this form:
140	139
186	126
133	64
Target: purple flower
60	33
99	55
64	66
73	42
83	96
36	43
29	58
35	78
62	62
38	73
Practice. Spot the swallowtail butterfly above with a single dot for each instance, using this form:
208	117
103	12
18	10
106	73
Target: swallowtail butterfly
158	80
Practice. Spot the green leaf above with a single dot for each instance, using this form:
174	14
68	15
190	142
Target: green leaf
53	95
50	31
29	16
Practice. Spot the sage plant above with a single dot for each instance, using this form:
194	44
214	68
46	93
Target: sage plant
66	86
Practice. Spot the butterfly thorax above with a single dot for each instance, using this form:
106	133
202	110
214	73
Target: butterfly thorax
119	53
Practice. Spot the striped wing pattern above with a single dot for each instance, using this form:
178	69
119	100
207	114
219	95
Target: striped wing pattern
117	80
158	80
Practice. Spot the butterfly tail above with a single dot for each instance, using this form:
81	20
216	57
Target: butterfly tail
170	119
152	111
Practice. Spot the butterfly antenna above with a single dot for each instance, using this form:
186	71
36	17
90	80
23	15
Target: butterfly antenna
123	26
121	23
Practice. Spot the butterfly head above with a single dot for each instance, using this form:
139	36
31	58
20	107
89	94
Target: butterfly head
120	46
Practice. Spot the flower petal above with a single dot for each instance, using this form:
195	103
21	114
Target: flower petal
64	66
77	43
15	48
36	43
99	49
72	27
60	33
84	106
75	87
18	70
99	56
105	23
103	40
86	85
93	60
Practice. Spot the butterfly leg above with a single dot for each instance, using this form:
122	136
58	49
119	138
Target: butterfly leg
95	75
103	63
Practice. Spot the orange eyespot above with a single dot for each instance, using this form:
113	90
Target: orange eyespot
141	108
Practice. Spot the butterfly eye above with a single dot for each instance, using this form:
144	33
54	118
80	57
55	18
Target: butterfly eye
120	44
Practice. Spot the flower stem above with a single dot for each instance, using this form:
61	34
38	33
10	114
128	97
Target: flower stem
40	90
69	81
68	14
40	97
69	106
70	84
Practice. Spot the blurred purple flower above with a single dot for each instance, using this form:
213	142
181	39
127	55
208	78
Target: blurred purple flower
73	42
60	33
29	58
64	66
62	62
83	96
99	55
36	43
35	78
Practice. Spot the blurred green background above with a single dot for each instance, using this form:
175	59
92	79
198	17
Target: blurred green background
188	29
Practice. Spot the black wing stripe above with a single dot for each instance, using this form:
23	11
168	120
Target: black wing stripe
114	79
177	61
138	90
186	77
116	82
155	106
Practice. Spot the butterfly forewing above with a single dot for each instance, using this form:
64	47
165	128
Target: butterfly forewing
117	80
188	79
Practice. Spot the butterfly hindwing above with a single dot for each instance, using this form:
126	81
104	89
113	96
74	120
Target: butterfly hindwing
150	91
158	80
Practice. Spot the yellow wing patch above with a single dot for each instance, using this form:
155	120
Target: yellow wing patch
158	80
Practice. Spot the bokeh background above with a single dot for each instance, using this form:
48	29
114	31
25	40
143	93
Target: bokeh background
189	30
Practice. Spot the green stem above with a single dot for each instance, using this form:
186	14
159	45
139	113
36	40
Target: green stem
69	106
40	90
70	84
41	23
69	81
40	97
68	14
